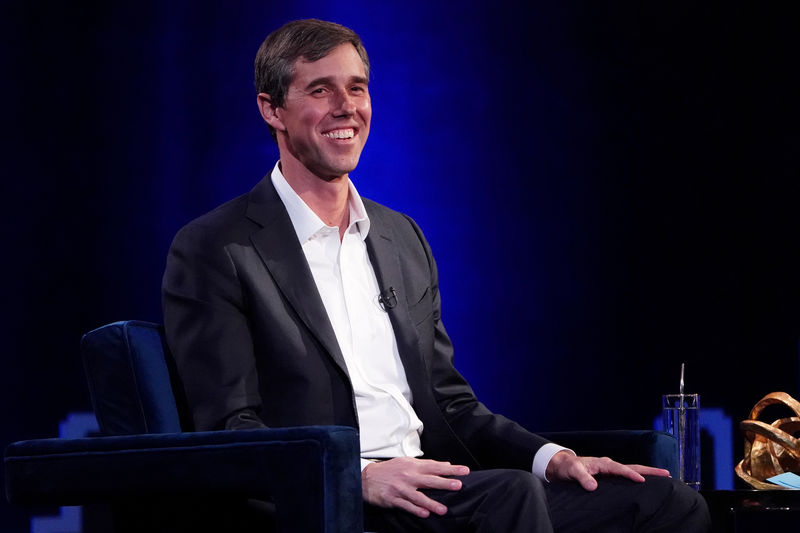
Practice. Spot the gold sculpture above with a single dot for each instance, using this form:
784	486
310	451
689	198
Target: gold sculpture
770	449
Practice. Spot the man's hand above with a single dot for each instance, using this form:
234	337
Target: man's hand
567	466
394	483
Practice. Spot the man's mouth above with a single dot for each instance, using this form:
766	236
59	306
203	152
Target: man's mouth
346	133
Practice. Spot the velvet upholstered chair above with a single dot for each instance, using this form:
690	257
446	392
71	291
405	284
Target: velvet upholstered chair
158	475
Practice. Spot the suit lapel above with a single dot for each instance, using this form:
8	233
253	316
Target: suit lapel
385	258
277	245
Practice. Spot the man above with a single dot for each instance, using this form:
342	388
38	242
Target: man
302	303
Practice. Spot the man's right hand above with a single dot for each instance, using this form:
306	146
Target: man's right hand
395	483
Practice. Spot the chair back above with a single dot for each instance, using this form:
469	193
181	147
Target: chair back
132	382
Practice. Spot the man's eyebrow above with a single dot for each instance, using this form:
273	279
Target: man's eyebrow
359	79
328	80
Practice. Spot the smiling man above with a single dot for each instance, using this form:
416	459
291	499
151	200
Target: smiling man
302	303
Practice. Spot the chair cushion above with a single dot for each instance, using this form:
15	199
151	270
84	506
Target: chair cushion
126	366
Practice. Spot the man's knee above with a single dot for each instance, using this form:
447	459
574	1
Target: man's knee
675	493
673	502
520	489
512	500
507	486
524	483
524	480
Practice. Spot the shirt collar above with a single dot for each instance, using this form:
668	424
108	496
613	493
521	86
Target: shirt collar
306	223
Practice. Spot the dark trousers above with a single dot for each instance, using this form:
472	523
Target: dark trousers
514	501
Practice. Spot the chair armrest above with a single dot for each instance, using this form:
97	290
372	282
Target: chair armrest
646	447
311	473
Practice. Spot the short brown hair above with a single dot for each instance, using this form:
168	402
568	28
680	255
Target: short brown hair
309	39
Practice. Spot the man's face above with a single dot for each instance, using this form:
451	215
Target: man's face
326	113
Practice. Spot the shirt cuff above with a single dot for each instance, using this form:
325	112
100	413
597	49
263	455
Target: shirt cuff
365	462
542	459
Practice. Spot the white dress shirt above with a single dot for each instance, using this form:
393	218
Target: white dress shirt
346	281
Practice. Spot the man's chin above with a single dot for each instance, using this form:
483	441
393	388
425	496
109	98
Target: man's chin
337	171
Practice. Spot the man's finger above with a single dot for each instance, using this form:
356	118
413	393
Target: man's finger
627	472
582	476
650	470
437	482
577	469
443	469
604	465
402	503
421	501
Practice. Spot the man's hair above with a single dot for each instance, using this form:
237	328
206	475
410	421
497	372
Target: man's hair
309	39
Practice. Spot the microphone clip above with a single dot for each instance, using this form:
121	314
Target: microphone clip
388	299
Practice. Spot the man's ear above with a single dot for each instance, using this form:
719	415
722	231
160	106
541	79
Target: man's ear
269	112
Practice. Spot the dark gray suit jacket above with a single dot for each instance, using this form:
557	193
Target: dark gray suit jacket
248	329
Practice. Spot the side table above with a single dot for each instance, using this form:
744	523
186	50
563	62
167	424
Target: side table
753	511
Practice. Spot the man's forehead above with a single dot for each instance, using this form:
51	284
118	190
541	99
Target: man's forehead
330	65
344	50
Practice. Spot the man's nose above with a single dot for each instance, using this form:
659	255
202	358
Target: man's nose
345	104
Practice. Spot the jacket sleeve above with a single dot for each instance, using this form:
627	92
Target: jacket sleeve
208	333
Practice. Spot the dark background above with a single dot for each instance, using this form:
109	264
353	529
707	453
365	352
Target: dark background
610	188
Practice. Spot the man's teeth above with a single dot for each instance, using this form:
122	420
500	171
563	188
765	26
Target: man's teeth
340	134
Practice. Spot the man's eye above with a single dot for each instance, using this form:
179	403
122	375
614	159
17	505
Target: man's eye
318	90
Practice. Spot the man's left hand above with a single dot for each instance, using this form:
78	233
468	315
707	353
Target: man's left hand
566	466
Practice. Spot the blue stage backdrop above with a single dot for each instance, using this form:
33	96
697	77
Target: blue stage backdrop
610	189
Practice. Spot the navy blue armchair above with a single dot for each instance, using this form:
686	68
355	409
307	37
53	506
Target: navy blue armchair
159	475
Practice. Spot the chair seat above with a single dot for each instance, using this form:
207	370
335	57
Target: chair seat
311	473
